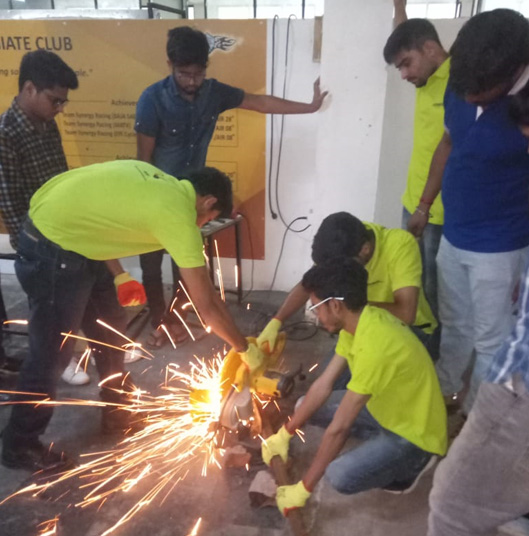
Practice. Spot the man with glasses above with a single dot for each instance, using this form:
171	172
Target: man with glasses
175	121
393	401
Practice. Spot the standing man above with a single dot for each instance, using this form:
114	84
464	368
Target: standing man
60	267
175	121
465	497
31	153
483	166
416	51
393	396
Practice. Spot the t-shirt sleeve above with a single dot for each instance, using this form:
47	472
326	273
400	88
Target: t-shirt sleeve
147	118
405	265
229	96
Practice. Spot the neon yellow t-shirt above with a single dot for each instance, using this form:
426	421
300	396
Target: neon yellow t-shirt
388	362
428	130
395	264
118	209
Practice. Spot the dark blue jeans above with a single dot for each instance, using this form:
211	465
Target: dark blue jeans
151	267
382	459
65	291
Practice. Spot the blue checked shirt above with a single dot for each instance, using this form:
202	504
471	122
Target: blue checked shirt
513	356
182	129
28	158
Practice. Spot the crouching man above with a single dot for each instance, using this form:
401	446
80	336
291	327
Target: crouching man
393	397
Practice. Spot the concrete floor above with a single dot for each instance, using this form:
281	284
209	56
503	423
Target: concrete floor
220	498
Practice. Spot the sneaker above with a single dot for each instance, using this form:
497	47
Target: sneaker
75	375
403	488
36	457
131	356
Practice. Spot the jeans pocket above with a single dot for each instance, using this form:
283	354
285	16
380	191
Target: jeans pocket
34	279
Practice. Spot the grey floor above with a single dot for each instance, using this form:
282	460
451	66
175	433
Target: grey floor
221	498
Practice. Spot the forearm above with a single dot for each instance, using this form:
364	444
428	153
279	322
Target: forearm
400	12
114	267
435	176
297	297
267	104
330	446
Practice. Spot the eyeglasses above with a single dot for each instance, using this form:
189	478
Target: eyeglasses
56	102
187	76
312	307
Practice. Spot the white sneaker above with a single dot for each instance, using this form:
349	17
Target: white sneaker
431	463
73	376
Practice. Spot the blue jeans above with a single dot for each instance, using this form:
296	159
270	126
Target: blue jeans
384	458
65	290
476	311
484	481
429	245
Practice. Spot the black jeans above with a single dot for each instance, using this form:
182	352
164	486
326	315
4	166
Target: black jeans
65	291
151	266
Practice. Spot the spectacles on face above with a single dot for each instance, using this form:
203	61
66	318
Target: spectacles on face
55	101
312	307
187	76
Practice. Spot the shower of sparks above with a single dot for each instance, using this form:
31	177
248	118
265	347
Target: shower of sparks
178	430
48	528
184	324
236	276
194	531
219	273
313	367
192	304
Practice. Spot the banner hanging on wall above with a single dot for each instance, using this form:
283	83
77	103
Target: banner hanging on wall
116	60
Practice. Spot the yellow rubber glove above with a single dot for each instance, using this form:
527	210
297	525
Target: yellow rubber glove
276	445
253	357
290	498
269	335
130	292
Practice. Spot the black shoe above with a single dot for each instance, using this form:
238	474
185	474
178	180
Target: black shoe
116	421
403	488
36	457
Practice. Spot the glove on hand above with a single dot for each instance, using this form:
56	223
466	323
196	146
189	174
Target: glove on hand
290	498
276	445
253	357
130	292
269	335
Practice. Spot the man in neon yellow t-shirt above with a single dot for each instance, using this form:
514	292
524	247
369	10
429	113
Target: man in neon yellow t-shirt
393	262
415	50
393	396
78	220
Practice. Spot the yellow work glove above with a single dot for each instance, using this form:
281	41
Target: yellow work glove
253	357
130	292
290	498
276	445
269	335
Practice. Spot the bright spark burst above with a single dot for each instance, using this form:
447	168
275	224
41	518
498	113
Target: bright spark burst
178	430
313	367
194	531
48	528
219	273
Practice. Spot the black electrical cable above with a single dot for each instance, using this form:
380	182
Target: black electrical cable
270	162
251	255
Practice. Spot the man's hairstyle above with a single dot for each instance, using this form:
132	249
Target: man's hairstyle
340	235
187	46
46	70
345	278
519	107
488	51
211	181
409	35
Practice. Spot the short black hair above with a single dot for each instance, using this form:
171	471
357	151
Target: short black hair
340	234
187	46
344	277
409	35
488	51
519	106
46	70
211	181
